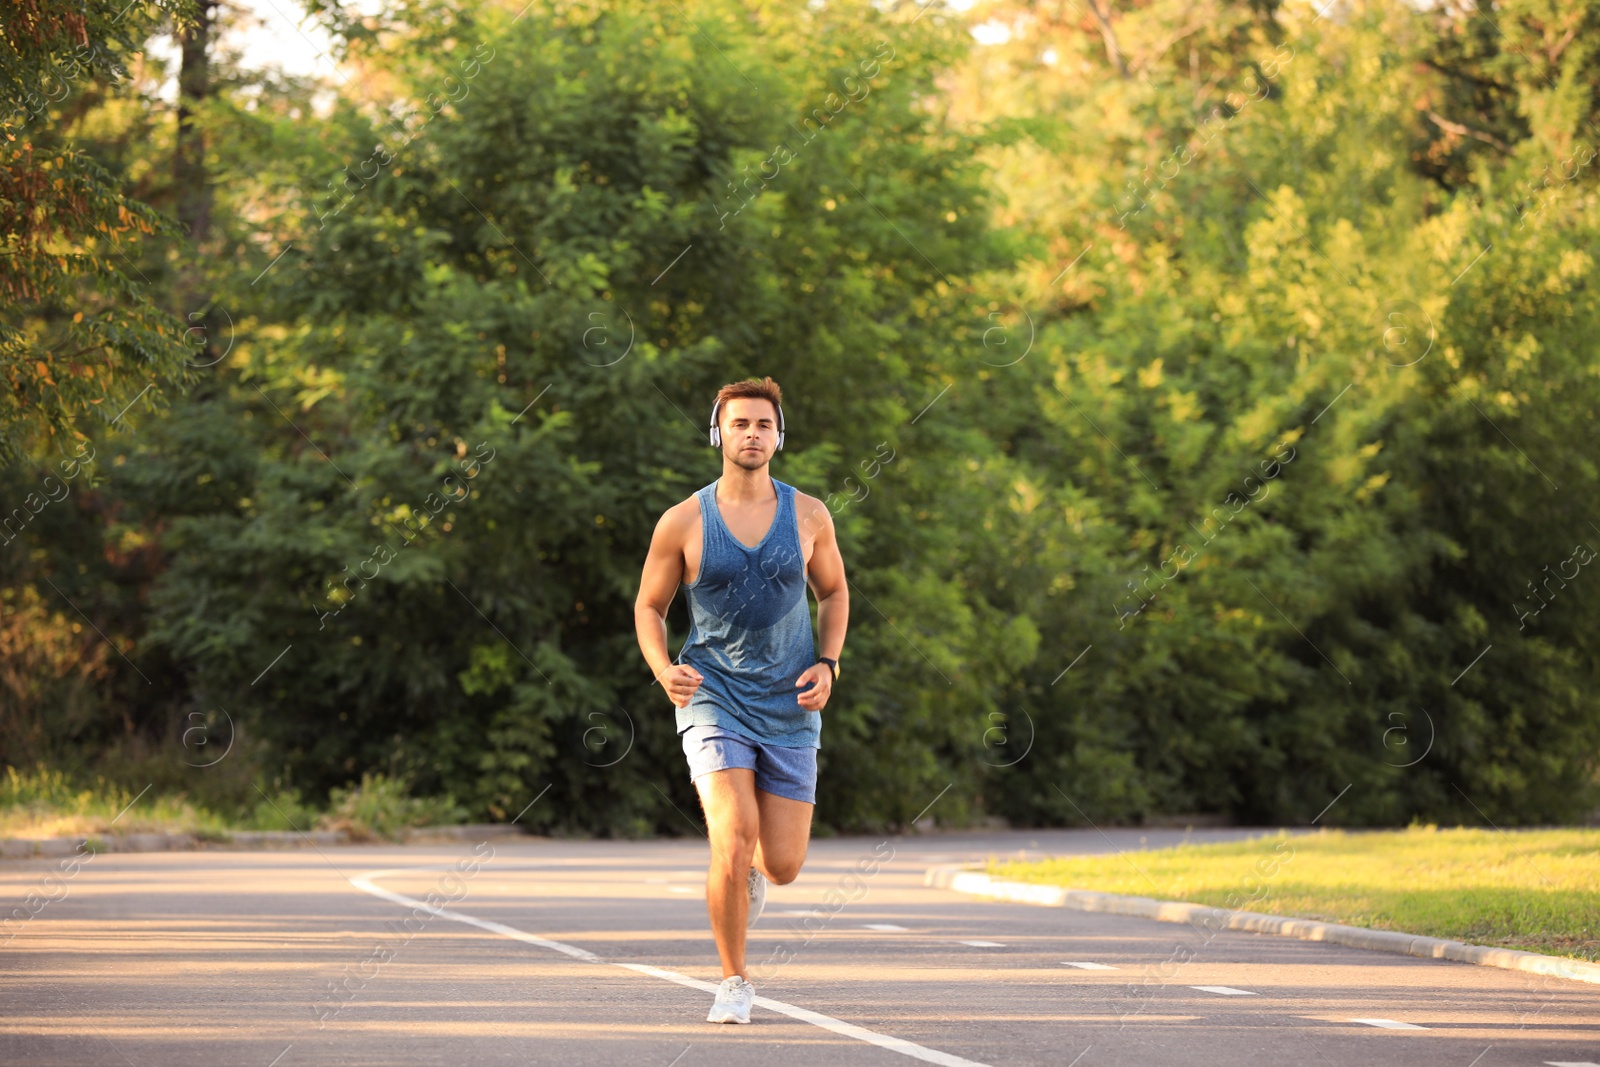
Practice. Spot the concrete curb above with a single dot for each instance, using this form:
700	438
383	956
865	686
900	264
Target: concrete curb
30	848
967	880
464	832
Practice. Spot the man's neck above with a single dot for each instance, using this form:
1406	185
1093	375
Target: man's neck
740	486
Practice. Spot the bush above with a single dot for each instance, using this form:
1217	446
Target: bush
381	808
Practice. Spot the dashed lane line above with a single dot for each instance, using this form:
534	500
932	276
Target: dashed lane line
1388	1024
1084	965
1224	990
806	1015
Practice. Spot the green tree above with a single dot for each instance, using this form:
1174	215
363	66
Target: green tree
1293	268
524	300
79	335
83	687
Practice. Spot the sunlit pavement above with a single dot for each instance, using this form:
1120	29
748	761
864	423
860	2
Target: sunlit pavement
593	952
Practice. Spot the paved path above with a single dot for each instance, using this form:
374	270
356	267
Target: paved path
591	953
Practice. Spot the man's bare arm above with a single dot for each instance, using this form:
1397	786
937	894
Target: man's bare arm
663	572
825	575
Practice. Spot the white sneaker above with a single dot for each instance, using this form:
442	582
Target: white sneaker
758	896
732	1005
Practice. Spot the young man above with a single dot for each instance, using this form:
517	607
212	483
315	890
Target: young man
748	684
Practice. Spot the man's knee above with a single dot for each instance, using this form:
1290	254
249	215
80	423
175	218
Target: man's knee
783	872
733	844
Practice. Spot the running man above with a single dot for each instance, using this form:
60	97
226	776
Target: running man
748	684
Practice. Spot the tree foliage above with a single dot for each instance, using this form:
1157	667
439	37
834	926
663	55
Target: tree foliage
80	335
1197	393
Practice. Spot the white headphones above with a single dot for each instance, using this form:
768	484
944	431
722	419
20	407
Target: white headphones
716	430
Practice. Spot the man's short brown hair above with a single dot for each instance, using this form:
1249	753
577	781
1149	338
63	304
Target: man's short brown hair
750	389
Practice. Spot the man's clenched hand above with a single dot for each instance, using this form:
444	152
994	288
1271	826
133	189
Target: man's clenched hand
820	675
680	681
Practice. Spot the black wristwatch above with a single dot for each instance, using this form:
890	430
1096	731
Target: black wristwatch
832	663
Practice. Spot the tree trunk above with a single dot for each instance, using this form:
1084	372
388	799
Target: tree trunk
191	189
1101	9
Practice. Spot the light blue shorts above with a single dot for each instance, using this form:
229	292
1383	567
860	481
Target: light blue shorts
783	772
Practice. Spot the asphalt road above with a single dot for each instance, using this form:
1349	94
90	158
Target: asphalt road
578	953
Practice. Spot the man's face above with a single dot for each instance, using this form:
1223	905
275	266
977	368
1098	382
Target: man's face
749	431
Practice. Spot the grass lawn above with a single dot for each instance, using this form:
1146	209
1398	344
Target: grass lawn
1537	890
43	803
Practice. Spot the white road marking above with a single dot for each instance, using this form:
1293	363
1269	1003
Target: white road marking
797	911
681	889
888	927
1571	1063
1085	966
984	944
1224	990
825	1022
1388	1024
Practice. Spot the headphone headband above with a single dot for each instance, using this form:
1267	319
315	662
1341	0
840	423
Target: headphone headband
716	430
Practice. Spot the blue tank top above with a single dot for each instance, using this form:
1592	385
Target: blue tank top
750	630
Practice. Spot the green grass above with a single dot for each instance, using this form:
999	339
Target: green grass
1537	890
45	803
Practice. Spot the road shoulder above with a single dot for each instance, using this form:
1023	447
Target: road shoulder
974	882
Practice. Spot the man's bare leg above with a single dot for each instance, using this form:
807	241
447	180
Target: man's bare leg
747	826
728	798
784	834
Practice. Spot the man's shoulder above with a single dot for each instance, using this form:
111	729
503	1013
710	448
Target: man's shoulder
803	499
810	510
681	517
